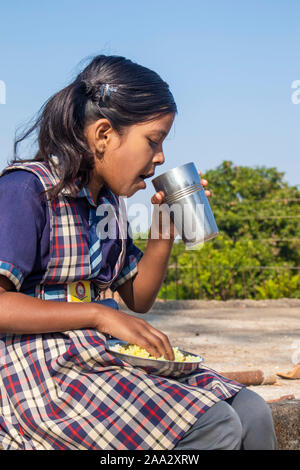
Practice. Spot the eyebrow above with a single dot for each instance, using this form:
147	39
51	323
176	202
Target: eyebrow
159	131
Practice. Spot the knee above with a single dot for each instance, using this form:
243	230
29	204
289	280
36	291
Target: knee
258	412
218	429
228	427
231	431
257	421
261	425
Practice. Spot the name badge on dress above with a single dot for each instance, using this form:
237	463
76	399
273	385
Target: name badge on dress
79	291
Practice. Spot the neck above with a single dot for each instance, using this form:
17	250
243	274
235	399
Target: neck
95	186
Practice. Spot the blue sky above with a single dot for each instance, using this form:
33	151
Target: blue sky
230	65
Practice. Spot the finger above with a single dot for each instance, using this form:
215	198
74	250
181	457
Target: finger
147	344
204	182
163	344
147	340
157	343
207	193
158	197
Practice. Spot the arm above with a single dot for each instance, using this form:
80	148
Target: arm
23	314
139	293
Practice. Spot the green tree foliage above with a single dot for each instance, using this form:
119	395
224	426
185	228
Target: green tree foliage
257	204
257	253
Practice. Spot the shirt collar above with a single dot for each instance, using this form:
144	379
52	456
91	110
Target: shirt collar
83	192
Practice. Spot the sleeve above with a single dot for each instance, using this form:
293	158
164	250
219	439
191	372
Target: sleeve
22	218
130	268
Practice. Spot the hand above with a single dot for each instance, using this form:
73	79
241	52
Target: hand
204	184
135	331
157	228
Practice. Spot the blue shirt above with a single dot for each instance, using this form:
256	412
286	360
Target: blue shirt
25	233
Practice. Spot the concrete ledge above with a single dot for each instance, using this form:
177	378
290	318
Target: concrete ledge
214	304
286	416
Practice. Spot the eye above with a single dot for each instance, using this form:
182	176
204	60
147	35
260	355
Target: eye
152	143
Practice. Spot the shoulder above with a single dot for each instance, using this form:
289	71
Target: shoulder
20	198
19	182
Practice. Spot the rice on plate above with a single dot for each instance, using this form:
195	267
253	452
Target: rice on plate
137	351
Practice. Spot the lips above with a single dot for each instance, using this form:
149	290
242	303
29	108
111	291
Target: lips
146	176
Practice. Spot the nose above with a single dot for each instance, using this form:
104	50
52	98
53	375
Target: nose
159	158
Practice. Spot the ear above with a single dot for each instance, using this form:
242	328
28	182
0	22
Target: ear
102	133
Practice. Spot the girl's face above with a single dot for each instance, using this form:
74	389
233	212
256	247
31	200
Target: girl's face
125	159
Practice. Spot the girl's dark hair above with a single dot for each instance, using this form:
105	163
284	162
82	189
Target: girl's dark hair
141	95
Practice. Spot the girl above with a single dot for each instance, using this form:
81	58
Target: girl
98	139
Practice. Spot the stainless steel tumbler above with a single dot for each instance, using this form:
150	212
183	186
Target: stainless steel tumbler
187	204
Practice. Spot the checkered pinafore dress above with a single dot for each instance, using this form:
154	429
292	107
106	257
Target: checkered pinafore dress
64	391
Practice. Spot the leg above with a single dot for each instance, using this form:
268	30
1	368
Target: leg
256	419
218	429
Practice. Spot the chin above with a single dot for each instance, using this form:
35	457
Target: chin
130	193
124	193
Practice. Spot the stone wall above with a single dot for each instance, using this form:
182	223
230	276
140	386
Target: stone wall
286	415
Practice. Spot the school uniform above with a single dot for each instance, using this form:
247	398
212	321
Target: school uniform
64	390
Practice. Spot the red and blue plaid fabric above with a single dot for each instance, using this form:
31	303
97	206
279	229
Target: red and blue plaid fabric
64	391
13	274
69	249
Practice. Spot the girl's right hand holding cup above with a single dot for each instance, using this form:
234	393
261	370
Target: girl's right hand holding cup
162	226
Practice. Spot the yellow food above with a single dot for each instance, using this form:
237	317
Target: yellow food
135	350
